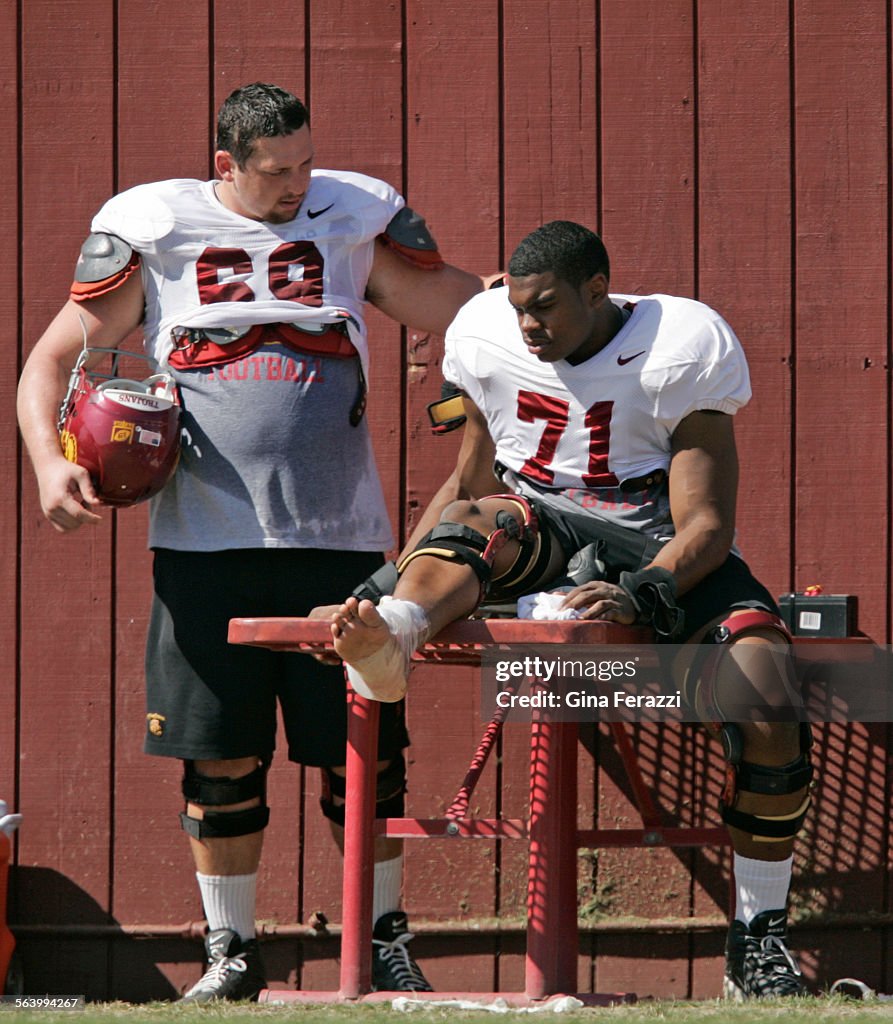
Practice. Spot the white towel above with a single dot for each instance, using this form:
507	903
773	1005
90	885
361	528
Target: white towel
545	605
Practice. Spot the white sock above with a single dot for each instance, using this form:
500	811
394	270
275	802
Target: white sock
386	886
229	902
760	885
382	676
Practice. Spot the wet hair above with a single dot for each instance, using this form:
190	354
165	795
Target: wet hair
257	111
569	250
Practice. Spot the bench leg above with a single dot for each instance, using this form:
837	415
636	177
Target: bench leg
359	861
551	963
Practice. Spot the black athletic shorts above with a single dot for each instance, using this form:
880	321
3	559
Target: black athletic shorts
211	700
730	586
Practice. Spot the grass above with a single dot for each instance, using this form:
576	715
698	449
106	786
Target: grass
814	1010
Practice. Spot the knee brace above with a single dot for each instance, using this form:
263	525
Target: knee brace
460	543
390	785
767	781
214	791
703	673
742	775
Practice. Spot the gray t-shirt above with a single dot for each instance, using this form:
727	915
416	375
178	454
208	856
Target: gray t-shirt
269	459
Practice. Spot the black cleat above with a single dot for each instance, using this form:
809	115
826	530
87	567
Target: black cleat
234	970
759	964
393	969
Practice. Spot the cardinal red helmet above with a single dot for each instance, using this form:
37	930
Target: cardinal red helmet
124	432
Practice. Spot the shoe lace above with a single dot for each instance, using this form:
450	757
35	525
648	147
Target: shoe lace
772	955
217	973
396	956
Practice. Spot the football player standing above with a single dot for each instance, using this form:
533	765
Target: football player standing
250	291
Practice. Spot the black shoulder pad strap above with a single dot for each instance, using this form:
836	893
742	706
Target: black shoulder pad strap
381	582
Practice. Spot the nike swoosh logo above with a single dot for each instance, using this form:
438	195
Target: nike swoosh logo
776	923
623	360
318	213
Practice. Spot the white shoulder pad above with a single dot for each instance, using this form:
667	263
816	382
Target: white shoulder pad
140	216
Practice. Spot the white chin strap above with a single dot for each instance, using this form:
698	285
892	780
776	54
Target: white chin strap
383	675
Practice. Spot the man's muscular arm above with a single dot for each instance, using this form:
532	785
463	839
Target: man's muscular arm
703	495
703	492
427	300
66	493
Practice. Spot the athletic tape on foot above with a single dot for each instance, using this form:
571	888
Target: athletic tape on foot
383	675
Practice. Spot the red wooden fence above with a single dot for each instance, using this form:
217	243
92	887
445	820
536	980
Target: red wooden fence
737	153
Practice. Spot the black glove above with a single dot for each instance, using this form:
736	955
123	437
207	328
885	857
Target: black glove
653	593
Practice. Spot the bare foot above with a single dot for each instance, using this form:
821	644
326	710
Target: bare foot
358	630
376	664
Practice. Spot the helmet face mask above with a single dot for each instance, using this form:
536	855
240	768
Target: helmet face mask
124	431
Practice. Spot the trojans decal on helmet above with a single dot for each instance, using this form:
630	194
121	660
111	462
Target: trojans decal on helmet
124	432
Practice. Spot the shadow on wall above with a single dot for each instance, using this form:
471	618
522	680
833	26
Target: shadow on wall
69	945
841	902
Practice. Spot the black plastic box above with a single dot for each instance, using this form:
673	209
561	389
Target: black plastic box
819	614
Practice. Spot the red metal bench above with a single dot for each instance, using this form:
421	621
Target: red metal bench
550	828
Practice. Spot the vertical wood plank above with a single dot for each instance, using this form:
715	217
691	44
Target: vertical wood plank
355	92
10	340
550	117
150	852
744	248
841	857
648	164
10	505
453	180
744	236
67	91
259	43
648	218
841	396
841	305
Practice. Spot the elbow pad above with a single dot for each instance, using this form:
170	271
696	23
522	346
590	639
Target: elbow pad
408	235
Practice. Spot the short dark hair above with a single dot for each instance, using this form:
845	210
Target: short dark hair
569	250
257	111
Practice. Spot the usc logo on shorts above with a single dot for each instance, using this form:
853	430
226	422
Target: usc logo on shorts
156	723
